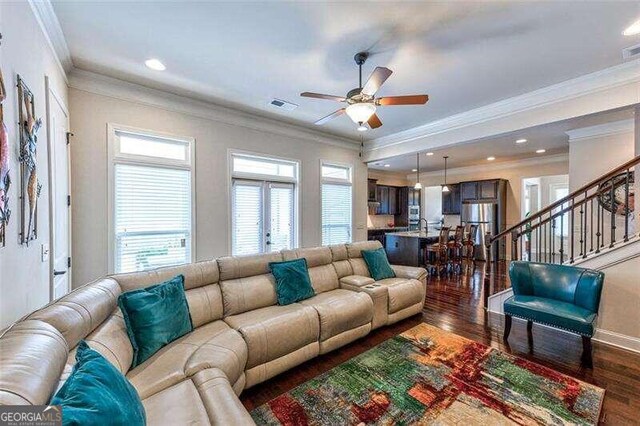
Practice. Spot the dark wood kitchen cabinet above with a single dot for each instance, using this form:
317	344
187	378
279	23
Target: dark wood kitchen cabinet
488	190
469	191
393	200
382	194
371	189
451	200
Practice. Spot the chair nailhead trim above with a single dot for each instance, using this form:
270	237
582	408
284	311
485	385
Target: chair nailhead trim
550	325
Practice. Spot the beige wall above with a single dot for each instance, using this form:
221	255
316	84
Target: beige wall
389	178
621	299
24	278
90	114
513	173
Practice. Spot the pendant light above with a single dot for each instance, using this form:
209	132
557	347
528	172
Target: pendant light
445	188
418	185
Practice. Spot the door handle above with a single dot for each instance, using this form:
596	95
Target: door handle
59	272
268	243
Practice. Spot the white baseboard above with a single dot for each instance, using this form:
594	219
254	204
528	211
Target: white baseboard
616	339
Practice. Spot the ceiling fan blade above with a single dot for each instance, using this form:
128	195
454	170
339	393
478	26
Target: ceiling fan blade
322	96
376	79
330	117
403	100
374	121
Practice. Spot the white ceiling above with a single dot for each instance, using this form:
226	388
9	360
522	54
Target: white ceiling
241	55
551	137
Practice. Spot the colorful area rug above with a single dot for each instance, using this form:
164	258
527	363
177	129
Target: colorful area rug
429	376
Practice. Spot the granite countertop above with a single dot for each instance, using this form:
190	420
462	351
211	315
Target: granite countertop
390	229
417	234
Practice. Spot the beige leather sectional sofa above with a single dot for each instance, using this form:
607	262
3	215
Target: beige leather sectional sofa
241	336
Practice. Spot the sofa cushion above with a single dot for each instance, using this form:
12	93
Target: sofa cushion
403	292
97	393
340	310
155	316
274	331
378	264
321	270
214	345
551	312
292	281
32	358
111	340
357	280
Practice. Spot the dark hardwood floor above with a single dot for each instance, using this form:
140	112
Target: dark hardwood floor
455	305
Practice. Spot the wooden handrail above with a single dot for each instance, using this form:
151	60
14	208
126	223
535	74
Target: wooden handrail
568	198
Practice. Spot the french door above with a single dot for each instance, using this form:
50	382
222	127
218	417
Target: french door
263	216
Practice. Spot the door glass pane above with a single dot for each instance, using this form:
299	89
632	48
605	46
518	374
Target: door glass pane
247	229
281	213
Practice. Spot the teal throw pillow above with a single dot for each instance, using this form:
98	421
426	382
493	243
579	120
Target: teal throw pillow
96	393
155	316
292	281
378	264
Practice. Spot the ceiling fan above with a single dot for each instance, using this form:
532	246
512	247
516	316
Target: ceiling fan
362	102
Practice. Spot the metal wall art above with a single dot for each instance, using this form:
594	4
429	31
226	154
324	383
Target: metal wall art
29	185
5	180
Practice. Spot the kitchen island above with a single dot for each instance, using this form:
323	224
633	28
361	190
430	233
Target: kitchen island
408	248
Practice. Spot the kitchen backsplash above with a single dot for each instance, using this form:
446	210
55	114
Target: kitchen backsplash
380	220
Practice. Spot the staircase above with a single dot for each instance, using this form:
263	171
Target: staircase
595	226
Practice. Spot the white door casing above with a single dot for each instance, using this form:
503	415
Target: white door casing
59	193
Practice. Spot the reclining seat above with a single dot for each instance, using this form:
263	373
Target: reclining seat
211	344
344	315
277	337
394	298
91	313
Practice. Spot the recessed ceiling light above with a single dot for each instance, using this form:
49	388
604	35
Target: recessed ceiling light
155	64
362	128
429	153
491	158
521	141
387	165
540	151
633	29
414	170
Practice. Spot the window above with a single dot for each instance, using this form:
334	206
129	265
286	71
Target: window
151	200
263	204
336	204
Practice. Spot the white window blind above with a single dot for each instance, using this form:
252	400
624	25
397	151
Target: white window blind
152	217
247	217
336	204
281	211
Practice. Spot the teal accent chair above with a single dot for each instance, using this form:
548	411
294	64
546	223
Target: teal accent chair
559	296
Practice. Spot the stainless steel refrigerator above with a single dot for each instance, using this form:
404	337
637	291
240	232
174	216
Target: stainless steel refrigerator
485	215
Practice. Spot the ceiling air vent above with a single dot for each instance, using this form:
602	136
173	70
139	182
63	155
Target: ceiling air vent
280	104
631	52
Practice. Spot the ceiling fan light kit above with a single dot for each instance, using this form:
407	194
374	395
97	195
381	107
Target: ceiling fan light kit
362	103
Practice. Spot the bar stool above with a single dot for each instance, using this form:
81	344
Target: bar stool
437	252
470	246
455	250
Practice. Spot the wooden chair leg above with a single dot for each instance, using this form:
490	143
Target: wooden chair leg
507	326
586	352
530	334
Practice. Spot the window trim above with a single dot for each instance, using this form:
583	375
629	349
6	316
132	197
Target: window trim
115	157
337	181
296	181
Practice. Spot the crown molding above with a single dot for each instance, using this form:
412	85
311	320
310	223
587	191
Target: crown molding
48	21
131	92
600	130
531	161
602	80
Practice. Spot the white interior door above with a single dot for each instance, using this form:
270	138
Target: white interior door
59	195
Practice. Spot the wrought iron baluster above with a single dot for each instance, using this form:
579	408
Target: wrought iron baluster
612	194
581	224
627	208
572	231
561	237
591	226
552	235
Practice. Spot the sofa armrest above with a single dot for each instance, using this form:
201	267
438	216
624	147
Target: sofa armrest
356	281
520	277
410	272
589	289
